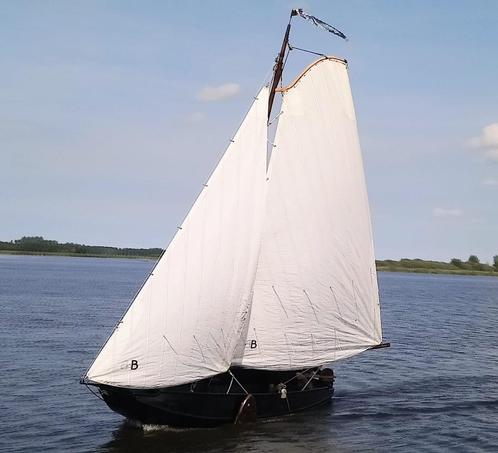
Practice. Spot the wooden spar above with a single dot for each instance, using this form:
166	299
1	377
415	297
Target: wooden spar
310	66
380	346
279	64
277	71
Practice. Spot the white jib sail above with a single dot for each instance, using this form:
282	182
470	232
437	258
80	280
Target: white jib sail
315	295
187	319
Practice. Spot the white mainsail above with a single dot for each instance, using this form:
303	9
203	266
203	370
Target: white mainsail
315	294
187	319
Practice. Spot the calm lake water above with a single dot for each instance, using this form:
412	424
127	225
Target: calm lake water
435	389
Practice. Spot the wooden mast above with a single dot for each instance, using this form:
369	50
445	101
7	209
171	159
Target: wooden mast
279	64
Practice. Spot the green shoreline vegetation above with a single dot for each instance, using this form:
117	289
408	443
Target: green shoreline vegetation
455	267
37	245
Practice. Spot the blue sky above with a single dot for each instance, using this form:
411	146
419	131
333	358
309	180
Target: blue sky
112	114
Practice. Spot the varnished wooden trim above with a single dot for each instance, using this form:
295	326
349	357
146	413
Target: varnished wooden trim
300	76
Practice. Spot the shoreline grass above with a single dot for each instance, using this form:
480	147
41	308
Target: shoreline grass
77	255
435	271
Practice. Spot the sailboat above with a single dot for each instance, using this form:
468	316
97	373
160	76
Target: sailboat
269	279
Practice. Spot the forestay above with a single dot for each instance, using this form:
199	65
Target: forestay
315	295
187	319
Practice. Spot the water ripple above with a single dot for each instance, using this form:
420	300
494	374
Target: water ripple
434	390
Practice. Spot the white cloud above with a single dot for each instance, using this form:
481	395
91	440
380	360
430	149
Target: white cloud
195	117
487	141
444	213
225	91
490	182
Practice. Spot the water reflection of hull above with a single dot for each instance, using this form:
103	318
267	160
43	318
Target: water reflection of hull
209	404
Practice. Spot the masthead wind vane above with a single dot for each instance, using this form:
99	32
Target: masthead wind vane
319	23
279	61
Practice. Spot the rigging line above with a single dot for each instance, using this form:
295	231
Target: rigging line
237	381
310	379
306	50
301	372
93	393
230	386
216	343
200	349
336	303
352	325
224	338
170	345
340	317
312	306
275	117
280	300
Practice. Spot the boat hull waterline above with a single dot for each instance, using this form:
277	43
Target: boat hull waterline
199	409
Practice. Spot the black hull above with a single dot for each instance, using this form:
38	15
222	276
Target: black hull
184	406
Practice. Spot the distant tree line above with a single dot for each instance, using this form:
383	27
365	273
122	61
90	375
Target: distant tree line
472	264
37	244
